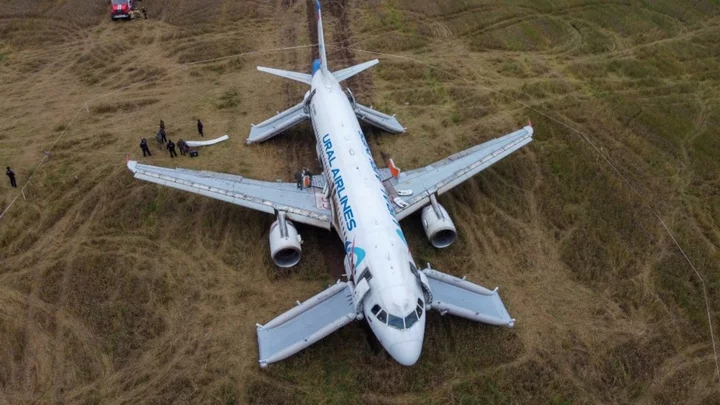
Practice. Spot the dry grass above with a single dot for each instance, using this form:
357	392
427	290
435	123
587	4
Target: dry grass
117	291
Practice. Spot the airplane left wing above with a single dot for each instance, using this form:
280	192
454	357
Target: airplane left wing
445	174
304	206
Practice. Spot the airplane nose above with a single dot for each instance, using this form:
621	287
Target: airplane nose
406	353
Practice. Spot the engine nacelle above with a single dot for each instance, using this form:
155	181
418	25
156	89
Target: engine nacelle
438	226
285	242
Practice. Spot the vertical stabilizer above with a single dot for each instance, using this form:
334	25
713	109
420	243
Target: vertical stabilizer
321	38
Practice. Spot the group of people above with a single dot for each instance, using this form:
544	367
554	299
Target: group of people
303	178
163	141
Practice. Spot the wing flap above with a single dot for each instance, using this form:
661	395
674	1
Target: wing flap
300	205
306	324
277	124
467	300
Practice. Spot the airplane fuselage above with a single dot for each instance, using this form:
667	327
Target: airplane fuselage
365	220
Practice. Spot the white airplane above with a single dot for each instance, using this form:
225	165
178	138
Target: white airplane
363	204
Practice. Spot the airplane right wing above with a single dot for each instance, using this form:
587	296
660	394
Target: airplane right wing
445	174
308	322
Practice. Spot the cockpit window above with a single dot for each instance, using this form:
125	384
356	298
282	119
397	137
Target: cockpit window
411	319
396	322
420	303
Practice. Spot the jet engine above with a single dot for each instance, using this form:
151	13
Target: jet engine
284	242
438	226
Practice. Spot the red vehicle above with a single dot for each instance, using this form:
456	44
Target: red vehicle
122	9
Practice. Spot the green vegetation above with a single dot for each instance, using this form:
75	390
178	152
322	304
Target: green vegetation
229	99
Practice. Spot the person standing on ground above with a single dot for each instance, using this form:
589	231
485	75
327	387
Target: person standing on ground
299	179
162	124
200	128
306	173
163	137
171	148
181	145
145	148
11	174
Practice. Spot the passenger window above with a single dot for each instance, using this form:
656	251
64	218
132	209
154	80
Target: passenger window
382	317
375	309
396	322
410	320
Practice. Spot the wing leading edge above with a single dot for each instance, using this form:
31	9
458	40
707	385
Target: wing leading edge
302	206
445	174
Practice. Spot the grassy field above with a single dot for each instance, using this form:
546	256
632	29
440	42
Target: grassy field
117	291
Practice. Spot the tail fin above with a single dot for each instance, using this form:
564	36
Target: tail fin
321	38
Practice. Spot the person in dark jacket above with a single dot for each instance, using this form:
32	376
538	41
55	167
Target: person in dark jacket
299	180
171	148
182	146
11	174
162	124
145	148
200	128
163	136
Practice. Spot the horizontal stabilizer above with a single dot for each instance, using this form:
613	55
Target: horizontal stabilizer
275	125
298	77
343	74
306	323
378	119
